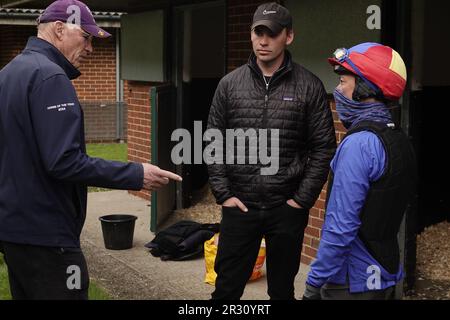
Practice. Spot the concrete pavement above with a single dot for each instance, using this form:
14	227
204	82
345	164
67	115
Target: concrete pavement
135	273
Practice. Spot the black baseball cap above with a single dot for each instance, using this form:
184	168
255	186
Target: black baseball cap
273	16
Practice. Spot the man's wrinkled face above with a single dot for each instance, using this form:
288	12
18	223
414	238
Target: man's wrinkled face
76	44
268	46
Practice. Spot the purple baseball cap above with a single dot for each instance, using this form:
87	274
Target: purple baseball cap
73	11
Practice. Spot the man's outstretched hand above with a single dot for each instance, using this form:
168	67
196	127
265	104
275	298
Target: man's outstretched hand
155	178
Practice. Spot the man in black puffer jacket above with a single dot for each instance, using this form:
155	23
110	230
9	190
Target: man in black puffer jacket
271	92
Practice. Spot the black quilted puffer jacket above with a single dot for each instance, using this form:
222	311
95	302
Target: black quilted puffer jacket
294	101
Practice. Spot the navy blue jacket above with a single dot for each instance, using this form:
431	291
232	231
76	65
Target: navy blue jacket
44	169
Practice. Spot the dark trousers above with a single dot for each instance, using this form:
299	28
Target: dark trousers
45	273
342	292
239	242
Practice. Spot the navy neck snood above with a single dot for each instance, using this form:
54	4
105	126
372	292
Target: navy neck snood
352	112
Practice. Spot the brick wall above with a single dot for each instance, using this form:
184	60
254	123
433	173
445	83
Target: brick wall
98	79
240	15
139	124
96	87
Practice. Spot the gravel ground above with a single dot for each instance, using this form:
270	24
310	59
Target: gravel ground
203	210
433	248
433	263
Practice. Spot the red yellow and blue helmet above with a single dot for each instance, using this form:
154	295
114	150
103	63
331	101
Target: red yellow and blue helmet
381	67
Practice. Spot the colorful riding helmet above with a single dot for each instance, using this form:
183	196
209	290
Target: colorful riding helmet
380	67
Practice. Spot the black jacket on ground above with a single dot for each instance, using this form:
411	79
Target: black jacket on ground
295	102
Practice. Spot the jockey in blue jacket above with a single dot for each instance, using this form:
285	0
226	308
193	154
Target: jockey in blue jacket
373	177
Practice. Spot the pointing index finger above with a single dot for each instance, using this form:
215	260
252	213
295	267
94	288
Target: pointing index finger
170	175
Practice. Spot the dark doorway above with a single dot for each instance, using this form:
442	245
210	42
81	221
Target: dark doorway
429	109
199	39
432	138
417	30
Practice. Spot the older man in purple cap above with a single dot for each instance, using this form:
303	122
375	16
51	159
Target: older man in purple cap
70	26
44	168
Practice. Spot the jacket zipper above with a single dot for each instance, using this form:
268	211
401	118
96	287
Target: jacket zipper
266	97
266	100
264	123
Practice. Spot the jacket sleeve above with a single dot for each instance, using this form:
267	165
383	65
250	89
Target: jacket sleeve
57	123
220	185
321	145
359	161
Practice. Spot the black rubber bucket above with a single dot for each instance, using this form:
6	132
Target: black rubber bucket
118	231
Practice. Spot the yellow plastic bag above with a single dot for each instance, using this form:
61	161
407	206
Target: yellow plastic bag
210	257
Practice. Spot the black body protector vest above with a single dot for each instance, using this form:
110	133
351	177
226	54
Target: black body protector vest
389	196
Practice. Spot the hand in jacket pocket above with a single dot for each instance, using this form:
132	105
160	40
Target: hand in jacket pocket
235	202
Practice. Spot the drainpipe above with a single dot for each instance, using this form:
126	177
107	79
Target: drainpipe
119	92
